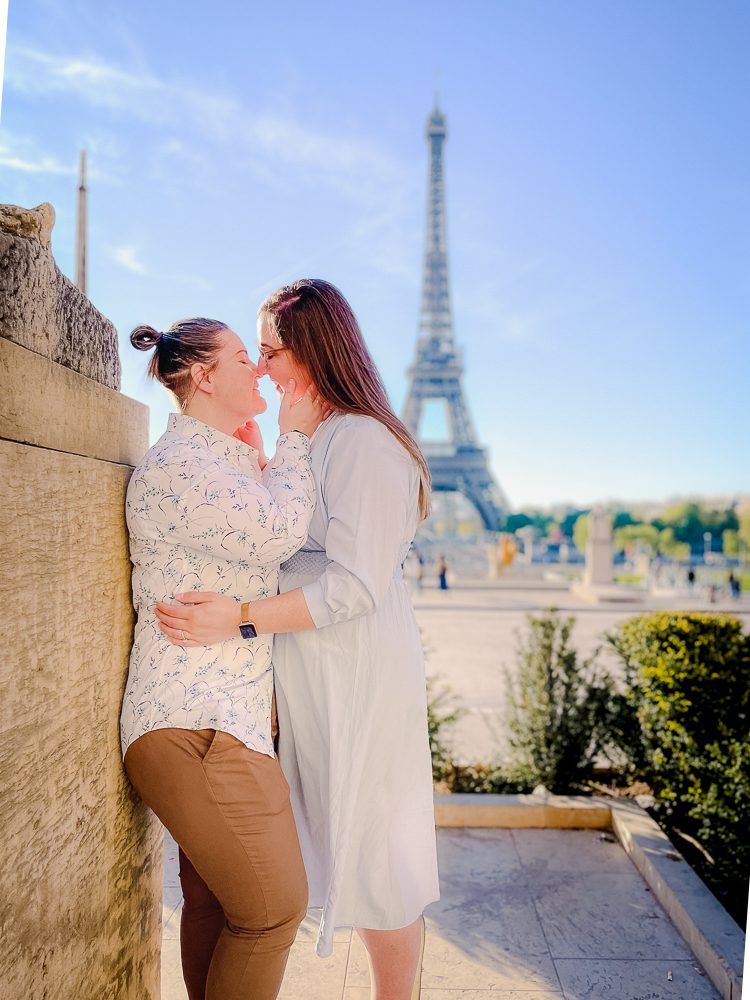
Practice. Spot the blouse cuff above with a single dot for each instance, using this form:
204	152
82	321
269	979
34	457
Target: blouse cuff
316	604
296	440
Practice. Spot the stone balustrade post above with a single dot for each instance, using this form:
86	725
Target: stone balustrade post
80	857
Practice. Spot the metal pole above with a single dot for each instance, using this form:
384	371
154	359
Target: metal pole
82	224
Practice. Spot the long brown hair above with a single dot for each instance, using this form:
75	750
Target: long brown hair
315	322
185	343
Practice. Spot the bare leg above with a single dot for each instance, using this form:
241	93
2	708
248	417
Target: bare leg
395	961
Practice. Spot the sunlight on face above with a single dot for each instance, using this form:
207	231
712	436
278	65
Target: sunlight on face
277	361
236	378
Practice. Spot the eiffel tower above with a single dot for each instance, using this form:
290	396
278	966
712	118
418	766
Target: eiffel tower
459	464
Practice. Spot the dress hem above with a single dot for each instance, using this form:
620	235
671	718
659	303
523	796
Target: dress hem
324	948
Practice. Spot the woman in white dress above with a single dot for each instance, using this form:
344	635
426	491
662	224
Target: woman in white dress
349	669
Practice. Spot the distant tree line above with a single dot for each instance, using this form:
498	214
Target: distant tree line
677	532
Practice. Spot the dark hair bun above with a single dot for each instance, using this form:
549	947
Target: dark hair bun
143	338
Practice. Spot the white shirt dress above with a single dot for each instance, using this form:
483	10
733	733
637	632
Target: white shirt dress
351	694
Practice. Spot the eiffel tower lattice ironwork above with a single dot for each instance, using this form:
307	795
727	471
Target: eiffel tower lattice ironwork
460	463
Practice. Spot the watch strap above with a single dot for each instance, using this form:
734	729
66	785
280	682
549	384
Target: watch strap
247	627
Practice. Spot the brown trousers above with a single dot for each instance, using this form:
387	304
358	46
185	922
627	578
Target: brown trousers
241	870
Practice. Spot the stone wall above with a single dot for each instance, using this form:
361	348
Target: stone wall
41	309
80	860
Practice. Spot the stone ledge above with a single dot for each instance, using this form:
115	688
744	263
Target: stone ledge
714	938
49	406
557	812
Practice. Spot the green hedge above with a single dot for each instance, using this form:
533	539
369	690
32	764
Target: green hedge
684	725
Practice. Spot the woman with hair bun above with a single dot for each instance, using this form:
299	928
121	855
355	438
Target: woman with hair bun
348	661
196	723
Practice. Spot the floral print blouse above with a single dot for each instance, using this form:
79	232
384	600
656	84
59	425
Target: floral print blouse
201	516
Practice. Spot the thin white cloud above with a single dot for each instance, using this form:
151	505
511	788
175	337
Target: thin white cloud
139	95
22	153
277	148
127	257
31	72
345	160
344	156
46	165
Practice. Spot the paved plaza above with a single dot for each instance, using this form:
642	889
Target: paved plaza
524	914
470	634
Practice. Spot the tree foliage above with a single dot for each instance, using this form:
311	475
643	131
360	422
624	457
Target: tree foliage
633	536
743	520
730	542
676	533
690	521
568	522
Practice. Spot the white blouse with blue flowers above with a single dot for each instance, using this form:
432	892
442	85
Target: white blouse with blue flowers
201	516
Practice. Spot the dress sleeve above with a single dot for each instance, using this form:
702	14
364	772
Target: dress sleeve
232	515
368	491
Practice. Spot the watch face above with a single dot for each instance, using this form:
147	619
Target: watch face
248	631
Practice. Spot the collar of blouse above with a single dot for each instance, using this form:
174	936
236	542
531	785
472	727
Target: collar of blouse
217	441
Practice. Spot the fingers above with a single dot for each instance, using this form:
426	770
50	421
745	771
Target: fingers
179	624
174	614
248	432
196	597
175	637
286	395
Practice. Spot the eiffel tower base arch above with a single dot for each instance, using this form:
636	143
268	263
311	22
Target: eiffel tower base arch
466	472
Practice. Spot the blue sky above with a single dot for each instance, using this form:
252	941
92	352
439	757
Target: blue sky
598	188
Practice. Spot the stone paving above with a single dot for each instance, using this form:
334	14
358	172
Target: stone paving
524	915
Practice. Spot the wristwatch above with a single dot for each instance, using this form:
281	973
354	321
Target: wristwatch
247	628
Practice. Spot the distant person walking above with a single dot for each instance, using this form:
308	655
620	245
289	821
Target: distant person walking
691	578
735	586
442	571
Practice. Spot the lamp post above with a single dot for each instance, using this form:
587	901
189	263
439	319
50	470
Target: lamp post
706	546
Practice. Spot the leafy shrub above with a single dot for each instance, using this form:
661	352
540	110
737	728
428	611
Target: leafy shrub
559	708
683	723
439	715
718	806
687	680
488	778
